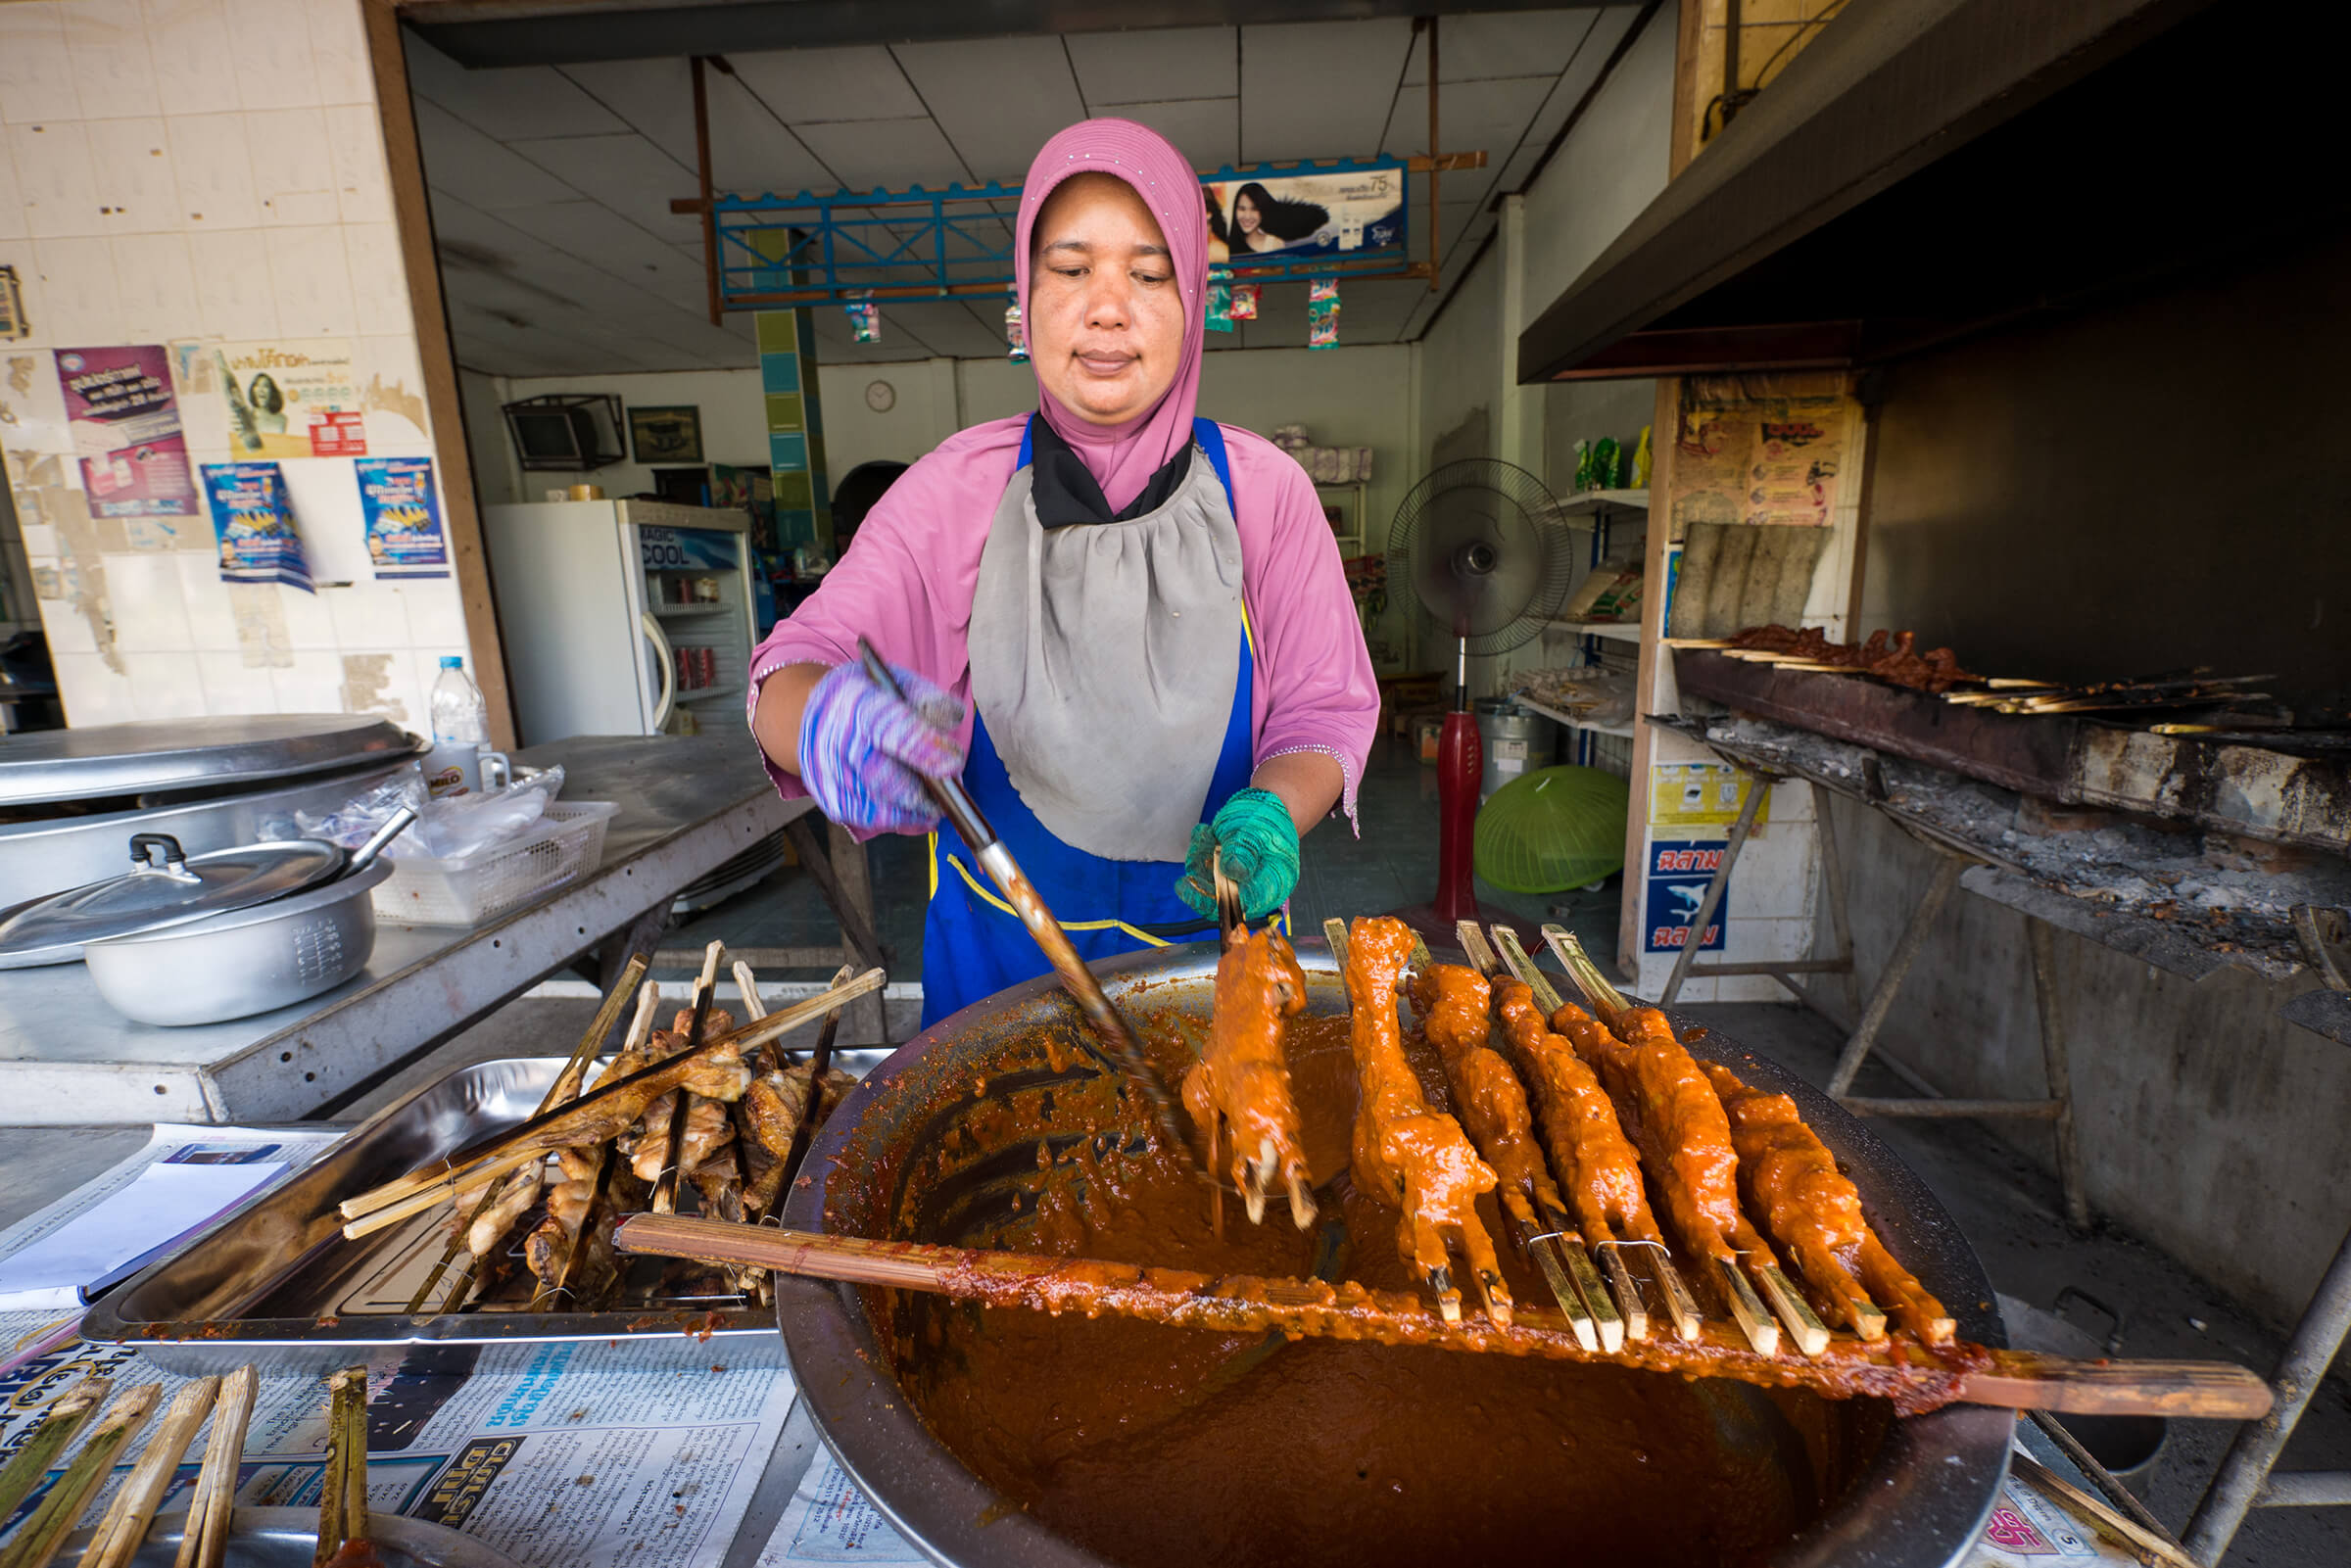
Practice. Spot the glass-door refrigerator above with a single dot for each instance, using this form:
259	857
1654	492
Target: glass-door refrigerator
622	617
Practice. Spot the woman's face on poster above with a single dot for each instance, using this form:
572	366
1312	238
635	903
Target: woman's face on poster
1244	215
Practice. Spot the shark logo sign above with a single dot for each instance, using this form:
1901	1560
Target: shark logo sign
1678	875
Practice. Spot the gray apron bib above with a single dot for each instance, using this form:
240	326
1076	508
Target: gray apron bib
1103	660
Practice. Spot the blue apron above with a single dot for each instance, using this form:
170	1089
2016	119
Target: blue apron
973	945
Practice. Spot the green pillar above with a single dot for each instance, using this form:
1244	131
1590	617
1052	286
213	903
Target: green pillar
795	429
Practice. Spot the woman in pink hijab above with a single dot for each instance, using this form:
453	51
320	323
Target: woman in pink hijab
1124	626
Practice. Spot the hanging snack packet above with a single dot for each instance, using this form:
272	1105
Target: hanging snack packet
1220	300
1323	324
1641	462
254	522
865	320
1244	301
1320	289
1015	337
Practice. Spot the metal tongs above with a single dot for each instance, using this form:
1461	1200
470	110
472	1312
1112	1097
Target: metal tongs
955	804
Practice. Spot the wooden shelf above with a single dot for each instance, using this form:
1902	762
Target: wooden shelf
679	612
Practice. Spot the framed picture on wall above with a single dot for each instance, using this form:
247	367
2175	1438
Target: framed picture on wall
666	435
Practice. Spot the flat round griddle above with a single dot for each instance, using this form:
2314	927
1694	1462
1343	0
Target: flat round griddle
1920	1505
170	756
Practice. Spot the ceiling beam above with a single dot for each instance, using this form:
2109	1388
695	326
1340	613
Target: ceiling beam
481	34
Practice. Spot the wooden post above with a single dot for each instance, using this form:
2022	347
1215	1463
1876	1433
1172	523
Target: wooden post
412	217
702	162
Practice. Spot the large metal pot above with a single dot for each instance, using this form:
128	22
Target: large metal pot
249	960
1919	1503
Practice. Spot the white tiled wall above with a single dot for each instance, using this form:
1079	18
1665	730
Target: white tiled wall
208	169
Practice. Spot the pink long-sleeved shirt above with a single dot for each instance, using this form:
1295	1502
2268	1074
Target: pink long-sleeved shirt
906	580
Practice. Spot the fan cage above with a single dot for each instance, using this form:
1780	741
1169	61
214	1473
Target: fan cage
1533	501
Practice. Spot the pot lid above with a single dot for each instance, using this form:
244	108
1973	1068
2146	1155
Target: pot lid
170	755
165	889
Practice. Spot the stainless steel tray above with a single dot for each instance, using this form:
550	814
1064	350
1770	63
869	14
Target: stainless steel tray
276	1283
288	1538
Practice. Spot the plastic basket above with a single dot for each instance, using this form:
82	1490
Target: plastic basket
563	846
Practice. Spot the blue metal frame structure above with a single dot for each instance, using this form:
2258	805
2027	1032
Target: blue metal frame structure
920	244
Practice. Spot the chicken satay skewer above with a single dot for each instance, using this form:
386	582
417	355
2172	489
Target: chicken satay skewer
1239	1090
1656	1082
1591	1140
1416	1158
1591	1158
1456	1008
672	1147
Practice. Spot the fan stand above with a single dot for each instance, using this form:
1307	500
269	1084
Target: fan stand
1460	767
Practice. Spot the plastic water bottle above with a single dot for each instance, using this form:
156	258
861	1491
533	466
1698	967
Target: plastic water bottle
460	732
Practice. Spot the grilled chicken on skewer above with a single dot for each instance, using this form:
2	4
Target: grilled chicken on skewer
1814	1211
1241	1081
1413	1157
1597	1165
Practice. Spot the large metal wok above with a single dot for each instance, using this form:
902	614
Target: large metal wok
1918	1503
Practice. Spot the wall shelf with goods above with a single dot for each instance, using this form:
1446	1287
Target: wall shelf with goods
1353	499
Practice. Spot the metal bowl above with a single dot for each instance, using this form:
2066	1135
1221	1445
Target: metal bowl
1918	1503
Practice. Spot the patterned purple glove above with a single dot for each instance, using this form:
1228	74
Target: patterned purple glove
864	754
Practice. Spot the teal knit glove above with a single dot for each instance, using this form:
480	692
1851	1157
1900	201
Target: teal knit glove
1260	848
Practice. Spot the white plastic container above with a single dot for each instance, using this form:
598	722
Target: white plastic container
561	847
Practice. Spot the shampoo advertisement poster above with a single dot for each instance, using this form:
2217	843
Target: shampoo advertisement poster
125	421
1281	220
282	396
403	519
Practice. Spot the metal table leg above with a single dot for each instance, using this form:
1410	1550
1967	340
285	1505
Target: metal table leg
2244	1481
1840	926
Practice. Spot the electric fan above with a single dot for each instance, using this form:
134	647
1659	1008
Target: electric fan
1480	543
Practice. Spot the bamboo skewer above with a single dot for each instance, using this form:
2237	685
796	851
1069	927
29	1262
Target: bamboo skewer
343	1494
2013	1380
124	1525
37	1541
665	1187
576	1122
66	1416
203	1537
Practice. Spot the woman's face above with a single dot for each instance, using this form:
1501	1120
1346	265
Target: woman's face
1105	313
1244	215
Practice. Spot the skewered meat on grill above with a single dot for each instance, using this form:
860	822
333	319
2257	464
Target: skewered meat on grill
1813	1211
1241	1083
1890	656
1413	1157
708	1128
1452	1002
1595	1163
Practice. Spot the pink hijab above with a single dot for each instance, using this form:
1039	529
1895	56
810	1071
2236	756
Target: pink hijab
1124	457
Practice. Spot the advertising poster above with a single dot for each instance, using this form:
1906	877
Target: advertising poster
1276	221
125	425
404	518
280	399
254	522
1677	879
1793	480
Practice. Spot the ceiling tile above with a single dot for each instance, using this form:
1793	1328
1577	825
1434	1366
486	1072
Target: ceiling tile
655	97
1154	65
463	162
626	173
1492	119
1581	72
885	154
529	101
593	233
824	84
1206	130
1517	43
998	99
751	154
1318	89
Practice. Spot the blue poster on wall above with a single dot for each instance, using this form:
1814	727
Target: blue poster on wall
403	518
1678	874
